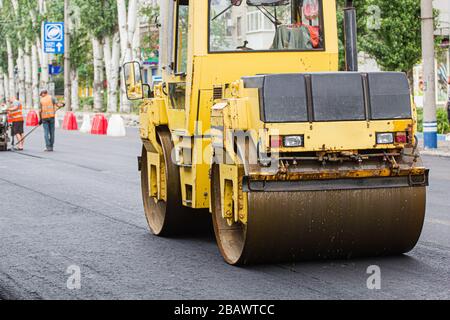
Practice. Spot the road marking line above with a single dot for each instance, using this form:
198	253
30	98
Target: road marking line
438	221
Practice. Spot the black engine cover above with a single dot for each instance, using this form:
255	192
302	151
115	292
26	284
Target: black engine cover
338	96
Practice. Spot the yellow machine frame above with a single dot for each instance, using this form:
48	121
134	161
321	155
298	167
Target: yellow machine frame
237	109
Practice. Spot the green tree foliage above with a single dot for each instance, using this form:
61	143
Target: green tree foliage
150	44
389	31
442	120
396	44
99	17
55	10
8	30
26	24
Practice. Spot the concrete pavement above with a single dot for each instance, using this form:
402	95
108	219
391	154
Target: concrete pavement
81	206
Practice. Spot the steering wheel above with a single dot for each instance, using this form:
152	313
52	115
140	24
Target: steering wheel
244	47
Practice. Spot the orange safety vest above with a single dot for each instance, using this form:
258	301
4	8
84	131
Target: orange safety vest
48	108
15	116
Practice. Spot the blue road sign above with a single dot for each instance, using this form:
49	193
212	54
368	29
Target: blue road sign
54	70
54	37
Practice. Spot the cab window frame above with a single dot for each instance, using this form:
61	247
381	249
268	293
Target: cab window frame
176	57
322	26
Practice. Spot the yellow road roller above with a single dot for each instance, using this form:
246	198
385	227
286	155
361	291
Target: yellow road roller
253	124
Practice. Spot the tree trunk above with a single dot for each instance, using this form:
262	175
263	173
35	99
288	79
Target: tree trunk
107	60
112	62
115	72
123	29
136	42
127	27
42	6
11	80
21	74
98	74
6	85
43	57
15	5
133	24
2	87
74	95
35	76
410	75
28	77
125	105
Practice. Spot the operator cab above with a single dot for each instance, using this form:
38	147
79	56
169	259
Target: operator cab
265	25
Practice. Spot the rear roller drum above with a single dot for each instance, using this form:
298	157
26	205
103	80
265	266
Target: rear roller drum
292	226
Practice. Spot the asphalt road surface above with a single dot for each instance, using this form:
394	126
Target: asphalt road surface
81	207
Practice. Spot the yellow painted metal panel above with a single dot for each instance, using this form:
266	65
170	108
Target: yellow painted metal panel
176	119
331	136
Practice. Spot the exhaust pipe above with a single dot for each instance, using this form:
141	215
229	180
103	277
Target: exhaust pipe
350	31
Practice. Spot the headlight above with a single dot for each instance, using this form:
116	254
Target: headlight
385	138
293	141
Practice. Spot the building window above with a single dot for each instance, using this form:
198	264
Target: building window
257	22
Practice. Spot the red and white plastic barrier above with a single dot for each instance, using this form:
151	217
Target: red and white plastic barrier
70	122
32	119
86	126
116	127
99	125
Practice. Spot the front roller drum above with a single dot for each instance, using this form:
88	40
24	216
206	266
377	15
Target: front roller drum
170	217
307	225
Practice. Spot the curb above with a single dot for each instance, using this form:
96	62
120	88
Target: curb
80	114
441	137
131	120
439	154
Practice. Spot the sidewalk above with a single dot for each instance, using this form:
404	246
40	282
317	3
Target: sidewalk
442	151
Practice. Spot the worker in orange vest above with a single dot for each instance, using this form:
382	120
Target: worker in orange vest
15	118
48	108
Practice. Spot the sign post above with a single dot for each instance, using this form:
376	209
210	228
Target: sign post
67	66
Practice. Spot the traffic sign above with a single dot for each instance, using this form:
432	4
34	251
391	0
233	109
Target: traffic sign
54	37
53	70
